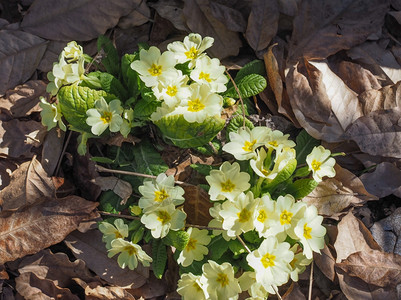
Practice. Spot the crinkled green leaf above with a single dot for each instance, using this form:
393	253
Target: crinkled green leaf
110	202
235	123
248	86
177	239
254	67
187	135
110	59
217	247
130	77
148	160
159	255
283	175
305	144
146	105
76	100
301	187
108	83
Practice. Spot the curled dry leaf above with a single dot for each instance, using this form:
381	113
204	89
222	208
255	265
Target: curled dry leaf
51	19
51	55
324	27
353	237
200	19
94	290
196	205
172	11
122	188
52	149
40	225
378	133
23	99
384	180
137	17
326	262
90	248
20	54
28	184
229	16
294	292
334	195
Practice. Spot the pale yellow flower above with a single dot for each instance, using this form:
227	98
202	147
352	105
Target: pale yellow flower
195	249
112	232
320	163
190	287
105	116
210	72
51	115
130	254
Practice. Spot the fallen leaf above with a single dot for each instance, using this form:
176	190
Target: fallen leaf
262	23
20	54
378	133
385	98
84	172
137	17
353	237
325	262
153	289
90	248
52	149
127	40
41	225
6	168
28	184
200	19
289	7
94	290
51	19
51	55
323	27
23	99
17	138
172	11
122	188
383	181
232	18
334	195
196	205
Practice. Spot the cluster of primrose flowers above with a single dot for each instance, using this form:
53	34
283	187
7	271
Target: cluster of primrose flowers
287	231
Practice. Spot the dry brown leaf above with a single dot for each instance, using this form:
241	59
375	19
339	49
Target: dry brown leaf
52	149
262	23
41	225
17	138
378	133
20	54
294	292
289	7
28	184
325	262
51	55
31	287
137	17
122	188
334	195
200	19
51	19
384	180
90	248
172	11
23	99
6	168
196	205
153	289
324	27
94	290
84	172
229	16
353	237
374	267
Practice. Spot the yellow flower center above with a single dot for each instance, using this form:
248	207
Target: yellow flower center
222	279
117	234
195	105
106	117
197	287
292	263
191	244
248	146
262	216
155	70
244	215
192	53
160	195
268	260
307	231
285	217
273	143
171	91
316	165
130	249
163	217
265	172
227	187
205	76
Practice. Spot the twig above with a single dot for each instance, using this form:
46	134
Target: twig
243	244
310	282
62	153
104	213
277	293
203	227
240	98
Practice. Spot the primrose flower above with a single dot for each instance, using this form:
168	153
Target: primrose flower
172	89
152	66
244	143
299	262
128	120
191	49
112	232
320	163
219	281
105	115
255	289
51	115
271	262
217	221
160	190
238	215
190	287
130	254
72	52
209	71
277	138
227	182
284	156
195	249
163	111
310	232
201	104
261	165
163	218
265	211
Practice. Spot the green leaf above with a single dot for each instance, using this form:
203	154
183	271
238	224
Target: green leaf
249	86
282	176
110	202
236	123
184	68
211	148
130	77
148	160
178	239
236	248
305	144
138	235
217	246
194	268
101	159
146	105
202	169
110	60
252	237
188	135
108	83
301	187
254	67
76	100
302	172
159	255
